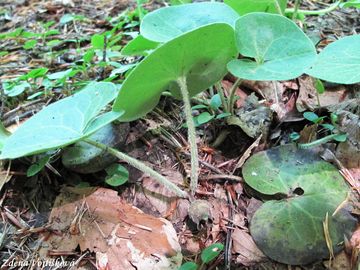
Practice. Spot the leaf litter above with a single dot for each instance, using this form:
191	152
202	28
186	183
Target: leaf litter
90	210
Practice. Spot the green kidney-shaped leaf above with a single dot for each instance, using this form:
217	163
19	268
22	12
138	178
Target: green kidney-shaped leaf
339	62
290	230
200	56
63	122
211	252
280	48
139	46
167	23
117	175
247	6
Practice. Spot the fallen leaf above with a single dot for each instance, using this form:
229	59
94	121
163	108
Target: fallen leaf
122	236
247	253
307	98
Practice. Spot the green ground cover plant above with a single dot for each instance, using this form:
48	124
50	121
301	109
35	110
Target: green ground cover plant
190	48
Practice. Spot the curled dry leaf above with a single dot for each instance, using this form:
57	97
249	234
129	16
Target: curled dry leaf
120	234
247	253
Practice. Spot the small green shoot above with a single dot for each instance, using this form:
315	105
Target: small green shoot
37	166
117	175
207	256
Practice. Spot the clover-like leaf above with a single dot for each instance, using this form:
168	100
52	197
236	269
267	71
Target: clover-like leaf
167	23
200	56
247	6
63	122
290	229
280	48
339	62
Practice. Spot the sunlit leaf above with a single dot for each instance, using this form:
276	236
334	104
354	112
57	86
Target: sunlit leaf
63	122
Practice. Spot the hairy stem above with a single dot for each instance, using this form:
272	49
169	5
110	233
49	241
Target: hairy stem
220	91
140	166
232	95
191	135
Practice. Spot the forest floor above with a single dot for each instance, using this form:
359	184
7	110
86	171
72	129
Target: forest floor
27	203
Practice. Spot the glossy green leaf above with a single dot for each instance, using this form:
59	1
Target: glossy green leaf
351	3
88	56
311	116
37	166
340	137
139	46
211	252
280	48
63	122
16	89
215	102
29	44
189	266
51	32
289	228
36	73
319	86
200	56
339	62
247	6
167	23
203	118
117	175
98	41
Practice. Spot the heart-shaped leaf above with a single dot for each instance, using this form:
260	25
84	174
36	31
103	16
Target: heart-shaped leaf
280	48
167	23
117	175
200	55
290	230
139	46
247	6
339	62
63	122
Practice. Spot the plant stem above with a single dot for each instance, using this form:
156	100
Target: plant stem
314	12
220	91
191	135
296	9
140	166
232	95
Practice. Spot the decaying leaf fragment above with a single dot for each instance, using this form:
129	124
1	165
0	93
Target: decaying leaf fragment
120	234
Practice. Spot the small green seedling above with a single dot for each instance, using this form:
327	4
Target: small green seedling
207	256
211	111
117	175
332	128
37	166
